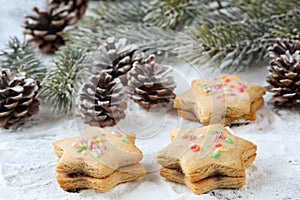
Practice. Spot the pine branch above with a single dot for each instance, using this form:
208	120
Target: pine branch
84	38
105	20
288	26
240	37
233	33
173	14
153	40
20	57
112	18
120	12
60	85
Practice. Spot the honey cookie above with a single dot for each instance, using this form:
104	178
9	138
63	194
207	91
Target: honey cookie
97	156
206	158
222	100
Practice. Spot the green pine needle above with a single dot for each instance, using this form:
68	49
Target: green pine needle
242	41
20	57
172	14
61	83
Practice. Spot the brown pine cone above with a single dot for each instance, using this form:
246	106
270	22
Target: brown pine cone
284	76
115	58
102	102
46	27
75	8
149	83
18	98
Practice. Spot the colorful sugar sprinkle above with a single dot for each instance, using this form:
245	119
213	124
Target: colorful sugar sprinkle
91	145
202	85
191	137
204	94
240	89
225	79
117	134
81	148
218	145
207	90
216	153
99	140
222	136
124	137
228	140
218	86
195	148
79	157
222	149
95	136
214	138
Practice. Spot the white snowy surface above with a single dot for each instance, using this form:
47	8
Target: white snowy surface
27	159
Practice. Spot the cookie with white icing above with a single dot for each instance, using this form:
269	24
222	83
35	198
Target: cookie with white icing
206	158
222	100
96	155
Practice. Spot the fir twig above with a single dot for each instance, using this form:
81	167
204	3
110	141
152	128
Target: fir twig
234	33
61	83
173	14
20	57
105	20
240	37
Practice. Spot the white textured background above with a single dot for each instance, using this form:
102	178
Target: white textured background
27	160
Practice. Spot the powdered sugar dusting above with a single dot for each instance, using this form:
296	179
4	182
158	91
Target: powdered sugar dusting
28	162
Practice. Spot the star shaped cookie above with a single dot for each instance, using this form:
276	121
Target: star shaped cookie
221	100
97	159
206	158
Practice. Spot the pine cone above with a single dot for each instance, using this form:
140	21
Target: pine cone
115	58
149	84
46	27
17	98
75	8
284	76
102	102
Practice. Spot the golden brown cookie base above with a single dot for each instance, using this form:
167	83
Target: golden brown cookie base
122	175
190	115
204	169
198	170
192	105
222	170
204	185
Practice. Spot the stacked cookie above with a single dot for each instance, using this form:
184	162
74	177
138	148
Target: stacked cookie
99	159
203	158
224	100
206	158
